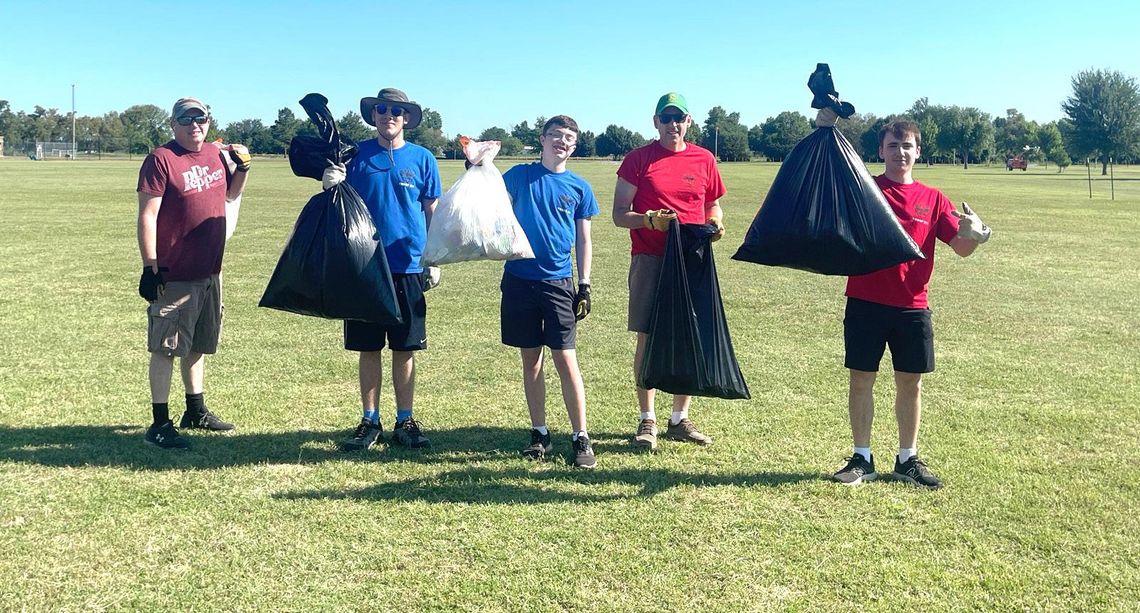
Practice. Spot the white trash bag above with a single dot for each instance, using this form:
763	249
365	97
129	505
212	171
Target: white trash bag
474	219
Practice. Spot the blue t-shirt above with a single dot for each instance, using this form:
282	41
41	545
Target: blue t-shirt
547	206
394	193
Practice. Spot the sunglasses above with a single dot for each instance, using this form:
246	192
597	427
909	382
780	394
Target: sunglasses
672	117
396	111
187	120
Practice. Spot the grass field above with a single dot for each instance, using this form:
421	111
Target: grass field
1031	418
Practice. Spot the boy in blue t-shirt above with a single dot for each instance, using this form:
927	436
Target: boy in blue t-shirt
539	305
399	182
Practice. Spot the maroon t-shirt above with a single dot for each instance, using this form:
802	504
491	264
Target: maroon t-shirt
191	233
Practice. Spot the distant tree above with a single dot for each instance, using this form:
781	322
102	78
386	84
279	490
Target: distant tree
527	135
284	129
587	145
145	127
779	134
929	119
510	144
429	134
1052	146
1013	134
251	133
869	139
617	141
352	126
452	150
1105	112
966	131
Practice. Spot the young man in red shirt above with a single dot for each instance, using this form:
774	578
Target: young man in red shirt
665	180
889	307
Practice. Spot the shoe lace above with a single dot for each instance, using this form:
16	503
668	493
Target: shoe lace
535	437
361	430
645	427
920	467
411	426
856	462
581	444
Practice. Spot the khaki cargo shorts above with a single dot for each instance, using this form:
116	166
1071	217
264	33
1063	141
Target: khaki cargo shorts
644	274
186	318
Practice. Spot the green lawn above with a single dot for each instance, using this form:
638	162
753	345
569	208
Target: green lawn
1031	418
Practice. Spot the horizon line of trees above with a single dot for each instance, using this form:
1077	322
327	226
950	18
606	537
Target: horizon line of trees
1102	122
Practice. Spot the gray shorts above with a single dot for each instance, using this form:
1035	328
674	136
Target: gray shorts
644	274
186	318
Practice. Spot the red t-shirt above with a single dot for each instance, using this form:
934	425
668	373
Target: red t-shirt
191	233
925	214
686	182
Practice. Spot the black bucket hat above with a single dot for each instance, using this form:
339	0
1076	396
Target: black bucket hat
392	97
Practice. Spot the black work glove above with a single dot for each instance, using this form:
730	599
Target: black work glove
582	302
151	284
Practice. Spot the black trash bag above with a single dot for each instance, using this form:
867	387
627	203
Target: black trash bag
333	265
826	97
309	156
689	350
824	213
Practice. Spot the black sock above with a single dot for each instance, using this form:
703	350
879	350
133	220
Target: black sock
195	405
161	412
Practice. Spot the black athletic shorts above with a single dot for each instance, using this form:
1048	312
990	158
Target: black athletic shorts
868	328
536	313
408	336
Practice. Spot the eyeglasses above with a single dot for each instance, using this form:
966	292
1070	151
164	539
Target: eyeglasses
569	139
186	120
396	111
672	117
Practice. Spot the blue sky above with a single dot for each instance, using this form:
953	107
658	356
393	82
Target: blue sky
498	63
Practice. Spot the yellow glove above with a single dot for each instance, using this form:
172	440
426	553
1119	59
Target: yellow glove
240	155
659	219
719	228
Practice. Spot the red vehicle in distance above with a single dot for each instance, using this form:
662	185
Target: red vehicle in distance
1016	162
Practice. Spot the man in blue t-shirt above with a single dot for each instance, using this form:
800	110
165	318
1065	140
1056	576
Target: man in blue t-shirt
399	181
539	305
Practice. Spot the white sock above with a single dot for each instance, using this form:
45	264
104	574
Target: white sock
649	416
865	452
907	453
678	416
541	429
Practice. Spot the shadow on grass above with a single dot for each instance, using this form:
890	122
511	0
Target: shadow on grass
542	483
511	480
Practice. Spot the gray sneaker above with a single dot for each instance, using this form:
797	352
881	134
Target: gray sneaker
686	432
857	471
366	435
408	434
646	437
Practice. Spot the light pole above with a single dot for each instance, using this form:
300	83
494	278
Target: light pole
74	153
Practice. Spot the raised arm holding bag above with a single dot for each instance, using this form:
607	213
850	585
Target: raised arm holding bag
333	266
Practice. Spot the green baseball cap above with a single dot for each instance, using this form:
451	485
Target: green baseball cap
675	100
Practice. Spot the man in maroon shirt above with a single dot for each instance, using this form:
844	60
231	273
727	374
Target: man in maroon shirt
183	189
889	307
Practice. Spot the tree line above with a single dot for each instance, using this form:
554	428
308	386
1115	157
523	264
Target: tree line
1102	122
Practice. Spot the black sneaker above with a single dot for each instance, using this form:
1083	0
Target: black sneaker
915	472
408	434
165	436
584	453
204	421
365	436
857	471
540	445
